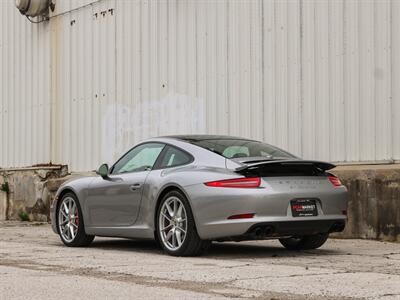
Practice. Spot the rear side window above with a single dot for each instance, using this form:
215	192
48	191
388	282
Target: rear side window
174	157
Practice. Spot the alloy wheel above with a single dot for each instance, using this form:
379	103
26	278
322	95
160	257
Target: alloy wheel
68	219
172	223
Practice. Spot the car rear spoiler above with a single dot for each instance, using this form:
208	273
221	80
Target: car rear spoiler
324	166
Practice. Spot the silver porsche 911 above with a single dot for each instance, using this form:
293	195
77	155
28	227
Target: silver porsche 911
186	191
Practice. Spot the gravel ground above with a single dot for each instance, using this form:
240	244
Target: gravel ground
34	264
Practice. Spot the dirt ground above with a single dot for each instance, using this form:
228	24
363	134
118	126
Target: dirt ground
34	264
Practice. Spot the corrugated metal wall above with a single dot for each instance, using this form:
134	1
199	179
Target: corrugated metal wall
318	78
24	90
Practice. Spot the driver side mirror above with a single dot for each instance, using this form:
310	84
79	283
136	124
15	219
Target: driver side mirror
103	171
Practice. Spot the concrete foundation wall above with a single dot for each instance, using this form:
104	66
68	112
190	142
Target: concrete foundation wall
3	206
374	201
30	193
373	210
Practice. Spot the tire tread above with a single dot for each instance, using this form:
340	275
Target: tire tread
305	243
193	245
82	239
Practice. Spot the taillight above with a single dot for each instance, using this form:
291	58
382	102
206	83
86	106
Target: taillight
335	181
236	183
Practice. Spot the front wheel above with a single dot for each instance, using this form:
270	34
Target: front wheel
176	228
70	223
306	242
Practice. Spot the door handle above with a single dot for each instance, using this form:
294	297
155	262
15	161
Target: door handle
135	186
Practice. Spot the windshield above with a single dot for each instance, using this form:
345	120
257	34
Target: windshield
235	148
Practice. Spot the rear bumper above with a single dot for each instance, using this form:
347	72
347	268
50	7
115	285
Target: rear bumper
271	203
290	228
271	227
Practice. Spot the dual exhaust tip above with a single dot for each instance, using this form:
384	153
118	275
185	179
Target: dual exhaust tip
337	227
260	232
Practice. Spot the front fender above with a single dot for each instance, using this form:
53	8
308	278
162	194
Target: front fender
78	186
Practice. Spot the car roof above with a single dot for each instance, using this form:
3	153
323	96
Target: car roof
203	137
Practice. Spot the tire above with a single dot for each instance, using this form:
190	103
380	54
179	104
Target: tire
169	222
75	237
306	242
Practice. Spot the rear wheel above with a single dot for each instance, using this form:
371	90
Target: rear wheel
306	242
70	223
176	230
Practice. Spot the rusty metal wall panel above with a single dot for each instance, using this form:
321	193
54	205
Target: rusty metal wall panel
84	55
314	77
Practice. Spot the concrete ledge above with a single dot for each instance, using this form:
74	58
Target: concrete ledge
48	167
29	196
374	201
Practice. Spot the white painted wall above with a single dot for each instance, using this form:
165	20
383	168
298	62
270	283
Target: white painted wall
318	78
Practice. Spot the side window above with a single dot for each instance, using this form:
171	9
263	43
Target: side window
174	157
236	152
140	158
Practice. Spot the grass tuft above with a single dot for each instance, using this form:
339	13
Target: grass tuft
23	216
5	187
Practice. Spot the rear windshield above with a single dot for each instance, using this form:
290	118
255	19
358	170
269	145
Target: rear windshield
233	148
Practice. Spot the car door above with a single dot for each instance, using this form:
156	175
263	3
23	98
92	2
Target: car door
115	202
